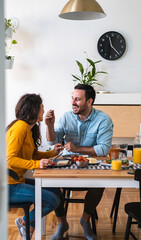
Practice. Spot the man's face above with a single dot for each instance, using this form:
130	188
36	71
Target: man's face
79	103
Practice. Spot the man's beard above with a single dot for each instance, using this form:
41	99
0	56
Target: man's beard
80	111
75	111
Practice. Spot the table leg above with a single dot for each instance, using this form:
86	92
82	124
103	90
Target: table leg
44	226
38	201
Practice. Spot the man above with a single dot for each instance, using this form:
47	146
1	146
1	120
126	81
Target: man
85	131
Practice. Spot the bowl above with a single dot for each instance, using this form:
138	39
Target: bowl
81	163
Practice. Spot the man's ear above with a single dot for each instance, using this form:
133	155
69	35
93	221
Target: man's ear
90	100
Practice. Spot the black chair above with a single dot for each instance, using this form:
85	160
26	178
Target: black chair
67	200
116	201
25	206
133	210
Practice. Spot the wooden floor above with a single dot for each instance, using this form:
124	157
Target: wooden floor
104	223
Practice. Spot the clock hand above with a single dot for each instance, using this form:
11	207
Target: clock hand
110	42
112	46
115	50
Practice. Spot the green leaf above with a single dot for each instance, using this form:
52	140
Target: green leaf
76	77
102	72
93	71
80	67
14	41
98	61
90	61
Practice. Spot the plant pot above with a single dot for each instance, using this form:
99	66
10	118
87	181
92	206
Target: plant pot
9	63
8	33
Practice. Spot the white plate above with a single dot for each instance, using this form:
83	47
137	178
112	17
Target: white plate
110	165
97	162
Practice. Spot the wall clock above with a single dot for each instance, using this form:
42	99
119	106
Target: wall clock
111	45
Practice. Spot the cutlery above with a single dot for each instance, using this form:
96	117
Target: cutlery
57	155
63	140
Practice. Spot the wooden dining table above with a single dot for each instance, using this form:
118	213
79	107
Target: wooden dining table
81	178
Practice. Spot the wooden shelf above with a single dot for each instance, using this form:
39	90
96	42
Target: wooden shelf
118	98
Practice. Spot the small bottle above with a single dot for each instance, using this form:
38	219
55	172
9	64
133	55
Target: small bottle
137	149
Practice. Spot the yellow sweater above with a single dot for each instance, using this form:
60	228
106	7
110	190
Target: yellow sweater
20	151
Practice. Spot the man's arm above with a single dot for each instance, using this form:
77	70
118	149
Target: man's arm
69	146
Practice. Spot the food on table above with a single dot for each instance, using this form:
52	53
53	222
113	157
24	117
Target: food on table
92	160
124	162
64	162
107	161
80	158
80	161
53	164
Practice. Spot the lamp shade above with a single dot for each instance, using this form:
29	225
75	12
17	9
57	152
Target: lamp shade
82	10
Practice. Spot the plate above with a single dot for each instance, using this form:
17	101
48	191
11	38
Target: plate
66	157
110	165
58	166
95	161
69	156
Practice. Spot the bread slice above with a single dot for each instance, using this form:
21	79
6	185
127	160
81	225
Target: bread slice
92	160
63	162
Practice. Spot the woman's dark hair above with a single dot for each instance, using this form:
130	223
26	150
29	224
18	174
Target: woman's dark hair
27	109
89	91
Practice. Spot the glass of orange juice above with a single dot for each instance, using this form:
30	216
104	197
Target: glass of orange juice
137	155
116	158
116	164
137	149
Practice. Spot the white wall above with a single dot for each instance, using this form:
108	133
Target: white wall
48	47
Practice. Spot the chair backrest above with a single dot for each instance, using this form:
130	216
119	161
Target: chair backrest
138	178
13	174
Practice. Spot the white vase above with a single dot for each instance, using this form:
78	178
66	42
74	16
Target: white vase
9	63
8	33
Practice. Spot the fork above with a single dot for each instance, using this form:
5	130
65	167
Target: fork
57	155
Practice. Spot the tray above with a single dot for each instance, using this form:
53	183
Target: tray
58	166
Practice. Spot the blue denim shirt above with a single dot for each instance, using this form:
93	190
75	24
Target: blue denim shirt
96	131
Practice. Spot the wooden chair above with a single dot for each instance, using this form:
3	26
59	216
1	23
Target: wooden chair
116	201
25	206
133	209
67	200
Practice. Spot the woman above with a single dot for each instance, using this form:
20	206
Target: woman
23	140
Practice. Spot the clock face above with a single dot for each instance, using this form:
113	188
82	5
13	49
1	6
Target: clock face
111	45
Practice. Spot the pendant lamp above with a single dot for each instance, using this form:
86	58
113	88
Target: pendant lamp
82	10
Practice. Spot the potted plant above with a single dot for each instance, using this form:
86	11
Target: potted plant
10	26
88	74
9	60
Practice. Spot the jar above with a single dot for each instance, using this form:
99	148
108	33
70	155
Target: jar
137	149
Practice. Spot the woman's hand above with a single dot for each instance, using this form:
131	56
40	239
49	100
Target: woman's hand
43	163
58	148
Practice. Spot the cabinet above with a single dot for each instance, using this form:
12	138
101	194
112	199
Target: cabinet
124	110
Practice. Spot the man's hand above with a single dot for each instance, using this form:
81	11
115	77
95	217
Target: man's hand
69	146
58	148
50	118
